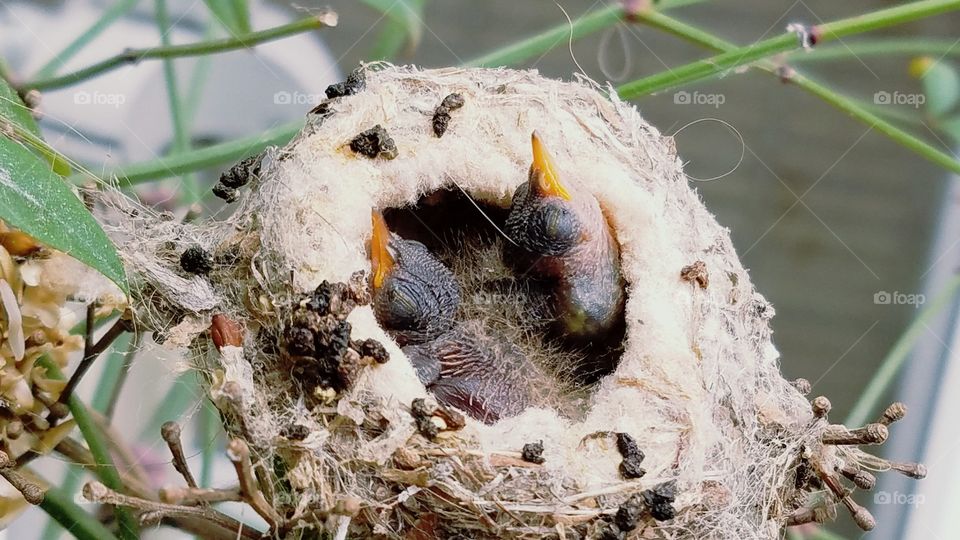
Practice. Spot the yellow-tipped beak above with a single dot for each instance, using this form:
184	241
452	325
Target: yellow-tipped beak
548	183
380	259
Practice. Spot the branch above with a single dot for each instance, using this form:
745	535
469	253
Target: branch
898	355
562	33
103	22
748	54
844	103
198	159
133	56
880	47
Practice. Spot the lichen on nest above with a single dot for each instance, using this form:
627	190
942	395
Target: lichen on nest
718	431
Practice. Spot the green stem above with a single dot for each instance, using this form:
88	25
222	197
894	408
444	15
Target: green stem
883	47
198	79
549	39
742	56
887	372
904	138
845	104
103	22
71	482
209	424
114	374
204	157
181	138
132	56
59	505
104	468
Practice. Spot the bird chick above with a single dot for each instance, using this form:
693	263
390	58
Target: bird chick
565	240
416	299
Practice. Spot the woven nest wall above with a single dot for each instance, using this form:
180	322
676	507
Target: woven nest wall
350	450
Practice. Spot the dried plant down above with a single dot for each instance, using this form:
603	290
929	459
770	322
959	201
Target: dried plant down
698	387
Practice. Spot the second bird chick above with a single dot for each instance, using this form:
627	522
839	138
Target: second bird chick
566	242
416	298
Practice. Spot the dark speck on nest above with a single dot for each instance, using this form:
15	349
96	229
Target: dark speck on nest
355	82
374	142
533	452
632	456
196	260
659	500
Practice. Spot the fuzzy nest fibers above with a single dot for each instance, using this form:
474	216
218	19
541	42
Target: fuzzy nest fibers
350	442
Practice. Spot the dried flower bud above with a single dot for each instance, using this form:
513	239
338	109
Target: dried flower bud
19	244
225	332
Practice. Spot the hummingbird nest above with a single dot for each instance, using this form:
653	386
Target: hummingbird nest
695	435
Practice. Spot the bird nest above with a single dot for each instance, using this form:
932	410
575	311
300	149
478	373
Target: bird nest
350	441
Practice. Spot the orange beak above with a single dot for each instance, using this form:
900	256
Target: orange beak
547	183
380	259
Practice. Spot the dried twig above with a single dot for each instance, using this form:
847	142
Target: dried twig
239	454
91	351
170	431
189	496
31	492
155	511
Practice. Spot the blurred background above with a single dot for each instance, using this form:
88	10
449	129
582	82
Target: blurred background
848	234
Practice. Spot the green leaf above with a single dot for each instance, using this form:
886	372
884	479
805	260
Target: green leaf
407	16
13	111
941	85
17	119
39	203
234	15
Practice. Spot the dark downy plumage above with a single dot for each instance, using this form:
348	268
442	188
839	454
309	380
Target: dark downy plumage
565	241
416	299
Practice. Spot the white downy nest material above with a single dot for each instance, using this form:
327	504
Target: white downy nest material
698	385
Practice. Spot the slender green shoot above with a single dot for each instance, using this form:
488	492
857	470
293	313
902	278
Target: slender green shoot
888	46
181	138
105	20
551	38
104	468
201	158
71	484
133	56
58	504
868	402
841	102
742	56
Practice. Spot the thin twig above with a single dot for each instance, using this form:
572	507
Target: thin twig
31	492
170	431
190	496
91	351
74	451
97	492
748	54
239	454
833	30
133	56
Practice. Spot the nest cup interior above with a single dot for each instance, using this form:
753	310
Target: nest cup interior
506	298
